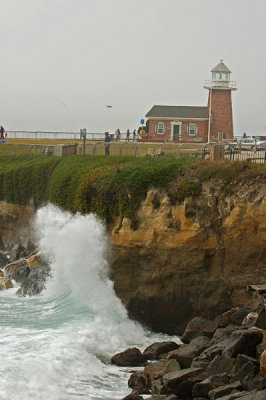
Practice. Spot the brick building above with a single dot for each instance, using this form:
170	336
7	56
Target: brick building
197	124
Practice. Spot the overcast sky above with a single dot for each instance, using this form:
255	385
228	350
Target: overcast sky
63	61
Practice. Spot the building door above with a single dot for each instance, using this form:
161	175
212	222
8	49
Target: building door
176	132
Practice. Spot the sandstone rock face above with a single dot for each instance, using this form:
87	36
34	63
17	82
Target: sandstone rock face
192	258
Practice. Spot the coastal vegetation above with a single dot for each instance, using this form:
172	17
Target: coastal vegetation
110	186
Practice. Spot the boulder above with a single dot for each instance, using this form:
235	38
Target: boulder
224	333
154	351
226	318
261	320
244	342
186	354
174	379
261	395
158	388
256	382
263	364
133	396
5	283
201	389
224	390
250	319
199	326
140	383
220	365
238	316
159	368
131	357
244	366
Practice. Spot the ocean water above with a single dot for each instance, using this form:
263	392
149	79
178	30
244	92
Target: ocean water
58	345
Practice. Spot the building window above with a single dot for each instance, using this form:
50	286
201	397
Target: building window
160	128
193	130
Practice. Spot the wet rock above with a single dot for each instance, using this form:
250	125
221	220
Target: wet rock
185	354
133	396
17	252
159	388
199	326
35	282
34	261
140	383
224	390
21	273
154	351
159	368
131	357
5	283
11	268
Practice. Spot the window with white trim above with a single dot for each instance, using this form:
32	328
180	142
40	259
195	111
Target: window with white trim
192	129
160	128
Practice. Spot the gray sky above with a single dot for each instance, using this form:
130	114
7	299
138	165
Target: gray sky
62	61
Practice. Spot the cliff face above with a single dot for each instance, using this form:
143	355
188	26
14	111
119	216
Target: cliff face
193	258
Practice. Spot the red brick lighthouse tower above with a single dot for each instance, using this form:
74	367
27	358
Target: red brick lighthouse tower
220	103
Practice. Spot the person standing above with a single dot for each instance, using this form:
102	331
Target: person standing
117	135
134	135
2	132
107	141
127	135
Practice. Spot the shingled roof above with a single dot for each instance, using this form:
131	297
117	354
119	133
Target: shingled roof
178	112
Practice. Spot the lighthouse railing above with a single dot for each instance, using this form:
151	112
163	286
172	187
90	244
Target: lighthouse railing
220	84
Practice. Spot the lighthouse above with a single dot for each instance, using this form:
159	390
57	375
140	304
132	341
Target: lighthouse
220	124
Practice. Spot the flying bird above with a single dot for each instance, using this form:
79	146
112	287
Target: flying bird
107	106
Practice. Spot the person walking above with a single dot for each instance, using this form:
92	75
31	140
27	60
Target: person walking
107	141
128	135
134	135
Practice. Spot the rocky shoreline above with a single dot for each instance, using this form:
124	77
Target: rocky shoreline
221	359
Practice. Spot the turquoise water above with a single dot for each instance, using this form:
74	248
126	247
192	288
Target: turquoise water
58	345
